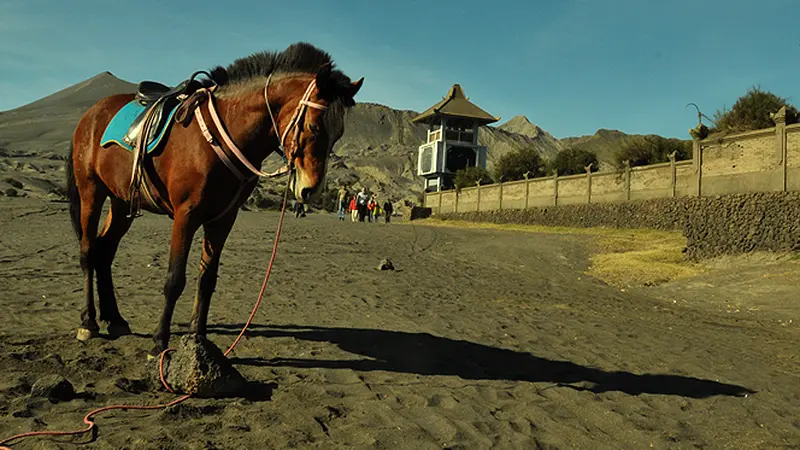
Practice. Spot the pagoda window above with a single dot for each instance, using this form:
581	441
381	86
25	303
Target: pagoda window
459	134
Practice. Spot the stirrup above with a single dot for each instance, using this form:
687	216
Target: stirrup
135	209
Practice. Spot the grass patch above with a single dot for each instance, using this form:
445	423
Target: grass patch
619	257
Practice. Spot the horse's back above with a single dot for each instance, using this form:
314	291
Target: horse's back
86	140
101	113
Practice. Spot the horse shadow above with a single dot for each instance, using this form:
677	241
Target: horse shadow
426	354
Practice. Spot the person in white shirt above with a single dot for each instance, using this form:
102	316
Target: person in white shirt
361	203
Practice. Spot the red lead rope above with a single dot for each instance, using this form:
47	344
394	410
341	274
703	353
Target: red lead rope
88	418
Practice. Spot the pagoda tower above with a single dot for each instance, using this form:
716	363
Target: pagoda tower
452	142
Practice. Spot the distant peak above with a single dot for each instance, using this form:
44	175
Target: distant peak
103	75
522	120
607	132
521	125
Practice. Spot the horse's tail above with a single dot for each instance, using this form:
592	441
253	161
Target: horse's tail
73	195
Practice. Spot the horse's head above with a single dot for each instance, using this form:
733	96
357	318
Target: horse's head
312	124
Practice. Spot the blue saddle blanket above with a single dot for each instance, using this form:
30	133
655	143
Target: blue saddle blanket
122	120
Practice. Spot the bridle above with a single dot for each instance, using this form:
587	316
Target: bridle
295	123
299	113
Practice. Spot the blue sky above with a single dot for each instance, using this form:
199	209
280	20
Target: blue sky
570	66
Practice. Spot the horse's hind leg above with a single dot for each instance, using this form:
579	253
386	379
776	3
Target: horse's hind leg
91	207
117	224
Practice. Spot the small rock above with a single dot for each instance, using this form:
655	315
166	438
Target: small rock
53	387
386	264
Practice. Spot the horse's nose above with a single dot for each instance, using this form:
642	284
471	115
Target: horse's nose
306	193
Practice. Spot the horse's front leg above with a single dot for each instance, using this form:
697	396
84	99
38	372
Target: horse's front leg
216	233
183	228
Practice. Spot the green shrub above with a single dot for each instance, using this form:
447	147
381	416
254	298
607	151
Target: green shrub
470	176
513	166
752	112
573	161
646	150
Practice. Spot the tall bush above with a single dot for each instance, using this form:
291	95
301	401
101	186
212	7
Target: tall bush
752	112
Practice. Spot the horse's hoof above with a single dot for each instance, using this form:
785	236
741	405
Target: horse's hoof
117	330
84	334
154	353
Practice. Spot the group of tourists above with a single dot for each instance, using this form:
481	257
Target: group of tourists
363	207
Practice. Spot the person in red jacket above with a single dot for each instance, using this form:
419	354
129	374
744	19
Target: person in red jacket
353	209
370	207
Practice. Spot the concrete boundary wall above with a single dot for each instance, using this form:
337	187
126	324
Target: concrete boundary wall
765	160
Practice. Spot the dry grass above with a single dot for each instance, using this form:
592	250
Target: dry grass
620	257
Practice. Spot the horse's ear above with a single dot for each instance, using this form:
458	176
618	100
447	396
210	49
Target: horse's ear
324	76
354	87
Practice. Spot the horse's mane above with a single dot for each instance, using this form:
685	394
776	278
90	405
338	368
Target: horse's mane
300	57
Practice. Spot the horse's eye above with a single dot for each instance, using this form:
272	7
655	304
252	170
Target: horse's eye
314	129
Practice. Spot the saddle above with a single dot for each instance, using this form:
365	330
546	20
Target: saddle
156	98
149	91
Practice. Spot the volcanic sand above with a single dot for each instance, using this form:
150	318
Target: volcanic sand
479	339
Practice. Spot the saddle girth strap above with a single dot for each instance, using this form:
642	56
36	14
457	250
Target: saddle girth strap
145	189
139	151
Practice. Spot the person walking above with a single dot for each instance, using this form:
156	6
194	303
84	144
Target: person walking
388	209
353	209
370	207
376	210
342	202
361	204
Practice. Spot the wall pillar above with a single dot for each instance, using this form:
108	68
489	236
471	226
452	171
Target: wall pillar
780	143
555	188
674	174
527	188
697	164
478	191
589	183
627	175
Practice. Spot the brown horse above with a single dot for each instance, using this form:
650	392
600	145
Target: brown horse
260	100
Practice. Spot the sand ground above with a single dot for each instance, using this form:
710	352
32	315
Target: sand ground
479	339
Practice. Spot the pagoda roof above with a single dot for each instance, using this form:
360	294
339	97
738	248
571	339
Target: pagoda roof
456	104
